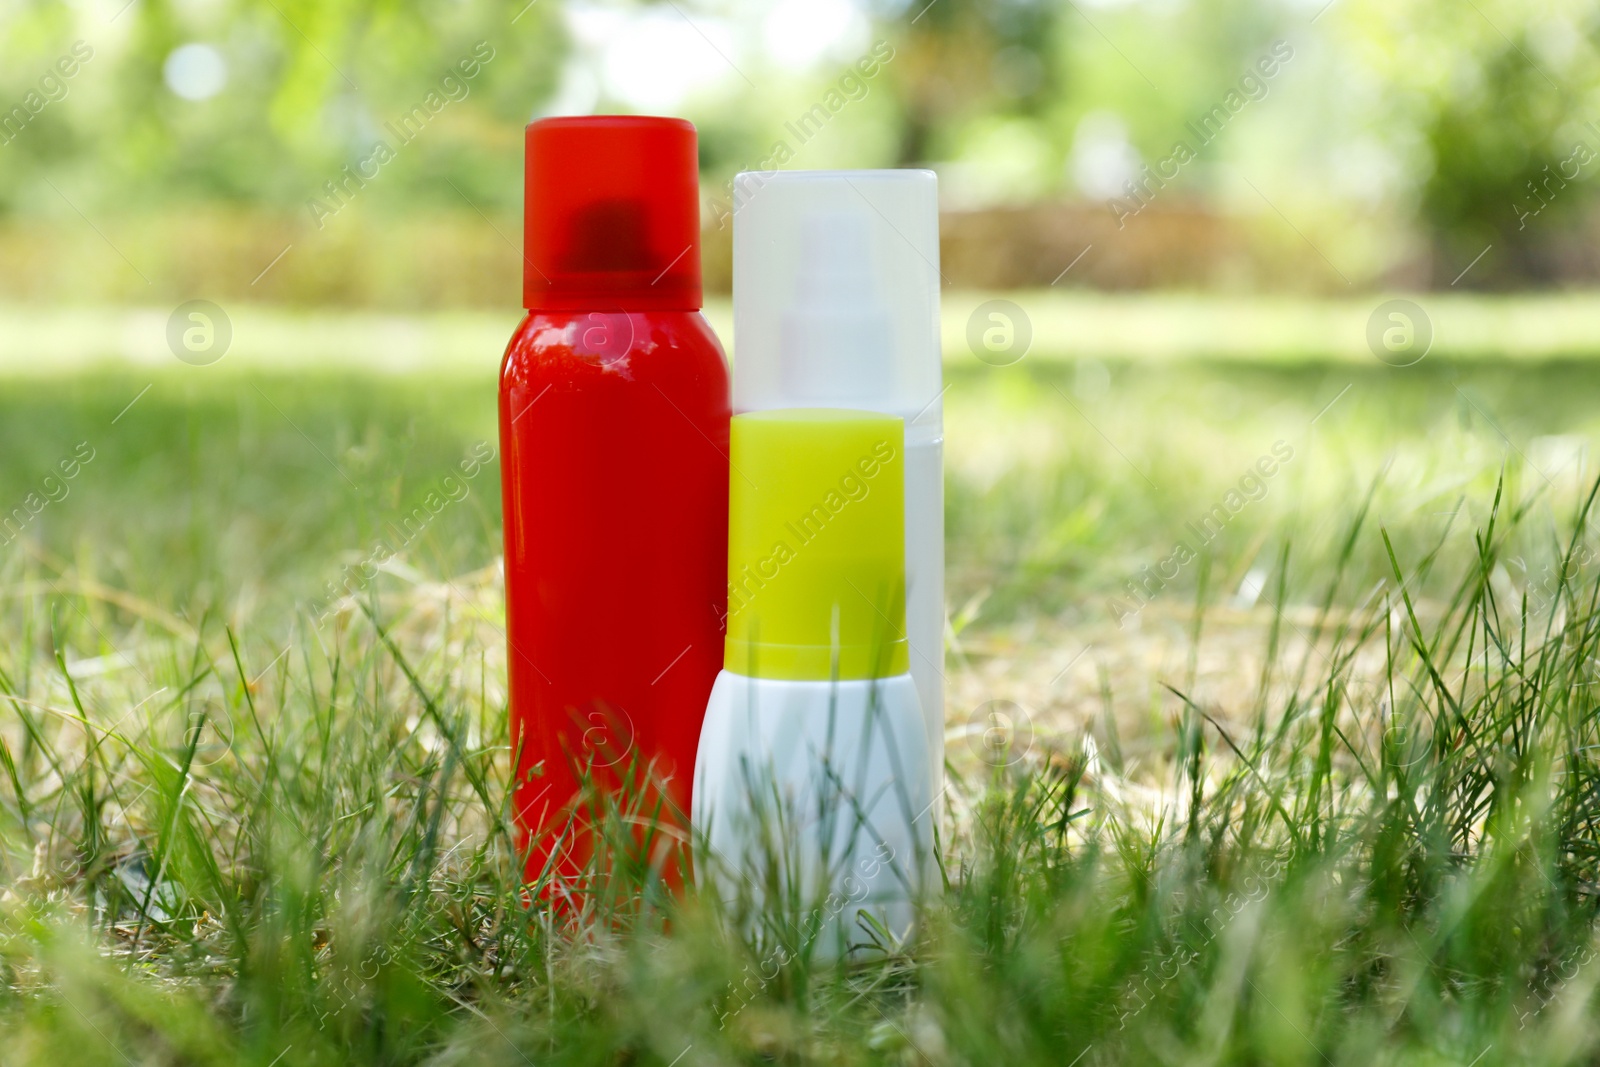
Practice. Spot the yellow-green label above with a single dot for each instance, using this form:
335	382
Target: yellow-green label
816	545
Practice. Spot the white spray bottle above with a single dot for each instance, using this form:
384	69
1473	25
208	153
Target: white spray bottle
815	786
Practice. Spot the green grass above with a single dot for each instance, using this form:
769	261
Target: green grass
237	827
1063	324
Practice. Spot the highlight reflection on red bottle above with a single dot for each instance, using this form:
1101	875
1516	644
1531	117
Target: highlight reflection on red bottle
614	409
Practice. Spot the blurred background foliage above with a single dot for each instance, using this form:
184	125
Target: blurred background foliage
1394	141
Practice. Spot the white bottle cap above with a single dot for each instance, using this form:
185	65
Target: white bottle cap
836	293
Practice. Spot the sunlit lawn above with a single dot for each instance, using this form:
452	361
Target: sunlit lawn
233	828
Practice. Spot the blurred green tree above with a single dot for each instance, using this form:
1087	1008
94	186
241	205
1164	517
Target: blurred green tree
1493	105
310	88
957	60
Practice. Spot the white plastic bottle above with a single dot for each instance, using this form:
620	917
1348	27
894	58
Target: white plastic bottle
836	304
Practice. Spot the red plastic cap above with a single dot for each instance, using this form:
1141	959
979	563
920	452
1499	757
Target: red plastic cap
612	216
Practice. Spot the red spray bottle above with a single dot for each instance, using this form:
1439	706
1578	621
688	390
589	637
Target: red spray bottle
614	409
